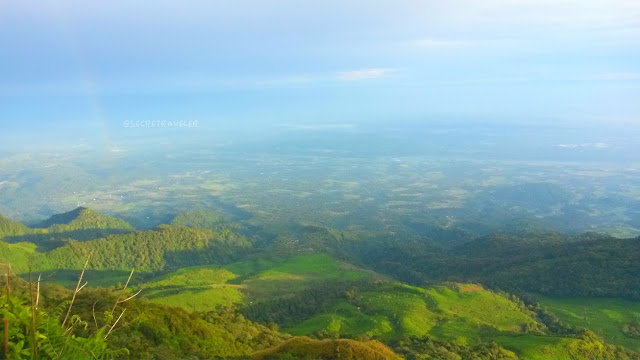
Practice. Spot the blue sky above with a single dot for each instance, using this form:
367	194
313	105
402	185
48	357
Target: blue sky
93	64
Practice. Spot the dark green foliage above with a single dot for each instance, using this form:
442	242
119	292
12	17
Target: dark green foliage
83	218
79	224
632	329
11	228
339	349
548	263
36	333
553	324
281	290
290	310
423	348
590	346
152	331
152	250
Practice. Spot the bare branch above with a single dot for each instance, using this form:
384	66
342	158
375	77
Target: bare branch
38	291
115	323
113	309
131	297
93	312
75	292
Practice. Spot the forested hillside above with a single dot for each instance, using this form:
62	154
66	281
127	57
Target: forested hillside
207	287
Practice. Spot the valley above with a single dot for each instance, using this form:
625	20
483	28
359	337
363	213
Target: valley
314	282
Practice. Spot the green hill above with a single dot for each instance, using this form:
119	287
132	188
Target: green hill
84	224
83	218
164	248
208	291
79	224
9	227
205	288
461	313
340	349
152	250
607	317
195	289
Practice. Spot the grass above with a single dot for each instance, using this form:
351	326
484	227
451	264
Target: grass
345	320
203	288
265	279
465	314
197	299
604	316
313	265
18	255
484	307
405	306
462	331
198	288
534	347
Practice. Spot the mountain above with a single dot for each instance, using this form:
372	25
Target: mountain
207	290
83	218
79	224
9	227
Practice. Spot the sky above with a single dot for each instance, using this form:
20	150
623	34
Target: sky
94	66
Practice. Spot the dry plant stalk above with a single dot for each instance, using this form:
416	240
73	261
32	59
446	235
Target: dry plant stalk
75	292
122	292
5	322
34	332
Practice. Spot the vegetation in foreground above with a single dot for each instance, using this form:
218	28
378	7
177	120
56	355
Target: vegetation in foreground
207	291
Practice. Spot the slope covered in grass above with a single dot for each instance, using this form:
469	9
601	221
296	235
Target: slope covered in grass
195	289
265	279
204	288
461	313
604	316
18	255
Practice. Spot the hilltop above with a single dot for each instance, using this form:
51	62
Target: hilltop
209	287
83	218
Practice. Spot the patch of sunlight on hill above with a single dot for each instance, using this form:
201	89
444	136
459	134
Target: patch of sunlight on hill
195	288
604	316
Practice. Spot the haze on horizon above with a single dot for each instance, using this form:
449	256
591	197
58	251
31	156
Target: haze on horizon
84	69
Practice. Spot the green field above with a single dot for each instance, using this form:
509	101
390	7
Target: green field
533	347
347	320
265	279
465	314
202	288
603	316
195	288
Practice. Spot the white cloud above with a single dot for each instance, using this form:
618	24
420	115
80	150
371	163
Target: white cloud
598	145
365	74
